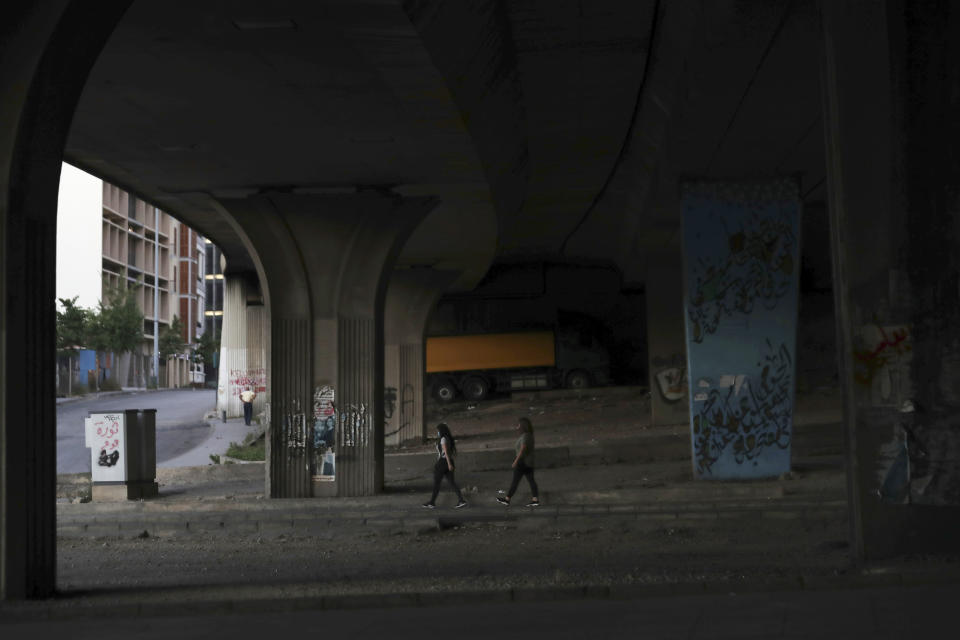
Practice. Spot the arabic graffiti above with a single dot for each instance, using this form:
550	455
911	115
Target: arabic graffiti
747	413
758	266
294	432
108	435
672	383
880	360
391	406
240	379
355	425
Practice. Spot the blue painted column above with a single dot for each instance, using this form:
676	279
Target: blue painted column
741	250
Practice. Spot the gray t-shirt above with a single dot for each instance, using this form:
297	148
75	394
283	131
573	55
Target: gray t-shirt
525	439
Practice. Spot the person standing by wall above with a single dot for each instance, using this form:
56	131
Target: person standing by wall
444	466
247	396
523	464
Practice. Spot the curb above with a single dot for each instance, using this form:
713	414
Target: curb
69	606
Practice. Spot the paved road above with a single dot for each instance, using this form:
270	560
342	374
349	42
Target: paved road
875	613
180	424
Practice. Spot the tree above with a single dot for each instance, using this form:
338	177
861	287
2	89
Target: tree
117	326
204	349
71	327
71	333
171	339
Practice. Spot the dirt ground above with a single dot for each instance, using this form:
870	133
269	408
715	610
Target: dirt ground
494	555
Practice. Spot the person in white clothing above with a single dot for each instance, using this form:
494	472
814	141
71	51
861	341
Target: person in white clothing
247	396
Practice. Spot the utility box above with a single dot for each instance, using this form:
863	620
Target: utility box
123	454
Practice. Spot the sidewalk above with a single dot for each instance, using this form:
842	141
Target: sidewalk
221	435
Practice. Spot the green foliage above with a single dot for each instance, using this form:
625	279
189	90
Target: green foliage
110	384
118	326
171	341
204	349
254	452
72	324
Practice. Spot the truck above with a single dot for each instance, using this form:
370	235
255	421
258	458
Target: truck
474	365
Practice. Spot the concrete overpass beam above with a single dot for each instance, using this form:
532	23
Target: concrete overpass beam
325	261
411	297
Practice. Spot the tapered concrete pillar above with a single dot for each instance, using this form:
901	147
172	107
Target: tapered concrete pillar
243	346
46	52
666	347
325	261
411	296
890	85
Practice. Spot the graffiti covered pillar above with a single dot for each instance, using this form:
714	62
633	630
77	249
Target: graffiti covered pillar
326	260
892	140
243	341
666	348
741	244
411	296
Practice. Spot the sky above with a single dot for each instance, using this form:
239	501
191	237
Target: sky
79	239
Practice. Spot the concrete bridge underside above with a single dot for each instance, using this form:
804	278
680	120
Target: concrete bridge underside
356	160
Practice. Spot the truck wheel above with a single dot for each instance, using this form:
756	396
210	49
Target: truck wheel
445	391
475	388
578	380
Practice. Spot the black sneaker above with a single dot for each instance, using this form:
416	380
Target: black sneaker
429	505
533	503
503	500
461	504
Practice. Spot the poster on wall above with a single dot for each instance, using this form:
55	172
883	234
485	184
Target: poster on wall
741	253
105	434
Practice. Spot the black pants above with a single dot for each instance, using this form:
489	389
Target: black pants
247	412
518	472
440	470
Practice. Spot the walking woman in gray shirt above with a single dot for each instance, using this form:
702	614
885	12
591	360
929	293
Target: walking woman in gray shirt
523	464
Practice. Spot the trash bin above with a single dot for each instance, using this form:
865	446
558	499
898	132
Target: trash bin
123	454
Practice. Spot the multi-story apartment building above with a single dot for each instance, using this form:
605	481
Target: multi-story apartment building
192	292
138	244
213	315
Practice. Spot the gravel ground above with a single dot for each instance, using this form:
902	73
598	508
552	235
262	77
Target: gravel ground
493	556
481	556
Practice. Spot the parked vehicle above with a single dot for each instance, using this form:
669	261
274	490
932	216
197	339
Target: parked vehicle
473	365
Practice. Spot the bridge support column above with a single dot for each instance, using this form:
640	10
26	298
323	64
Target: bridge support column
46	52
666	344
411	297
325	261
243	342
892	134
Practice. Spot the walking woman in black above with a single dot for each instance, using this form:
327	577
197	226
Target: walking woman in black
523	465
446	453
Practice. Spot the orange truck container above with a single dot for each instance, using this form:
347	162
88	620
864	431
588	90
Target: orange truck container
490	351
472	365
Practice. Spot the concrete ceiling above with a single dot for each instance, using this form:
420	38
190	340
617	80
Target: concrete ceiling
545	128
